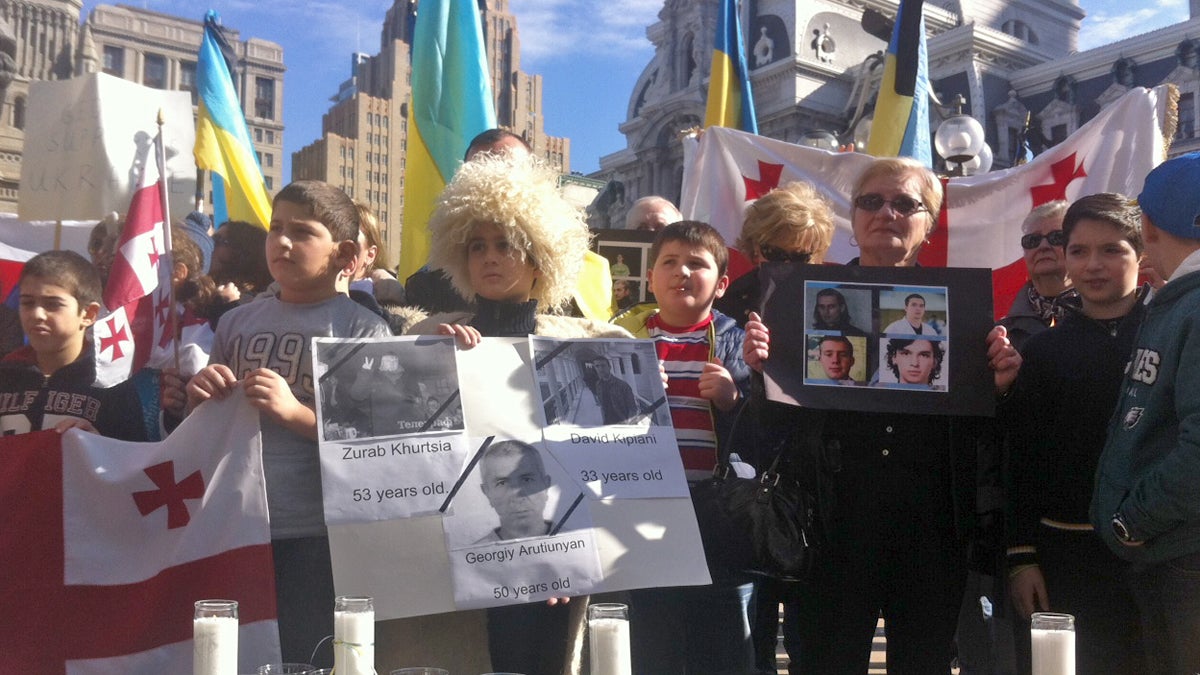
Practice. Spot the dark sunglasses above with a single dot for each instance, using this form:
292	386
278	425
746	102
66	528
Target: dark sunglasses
902	204
1054	237
776	254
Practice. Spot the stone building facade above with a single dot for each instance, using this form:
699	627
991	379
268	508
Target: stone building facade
44	40
363	136
39	40
813	66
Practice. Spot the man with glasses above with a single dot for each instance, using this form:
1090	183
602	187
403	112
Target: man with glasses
1038	303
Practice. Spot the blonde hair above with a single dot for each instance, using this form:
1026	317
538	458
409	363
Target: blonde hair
368	227
795	211
520	195
895	167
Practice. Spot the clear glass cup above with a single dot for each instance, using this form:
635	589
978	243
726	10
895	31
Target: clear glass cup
608	639
421	670
214	637
1053	643
354	635
286	669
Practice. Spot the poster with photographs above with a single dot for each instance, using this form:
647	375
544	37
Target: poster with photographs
628	256
605	414
879	339
391	426
510	515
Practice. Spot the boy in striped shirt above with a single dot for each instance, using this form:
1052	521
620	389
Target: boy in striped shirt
707	380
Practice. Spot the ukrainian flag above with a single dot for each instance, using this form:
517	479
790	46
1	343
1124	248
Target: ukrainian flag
730	102
901	123
222	140
451	103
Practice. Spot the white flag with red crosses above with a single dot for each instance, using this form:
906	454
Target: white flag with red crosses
106	545
980	222
138	289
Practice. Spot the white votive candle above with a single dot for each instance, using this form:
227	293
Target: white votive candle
215	638
354	636
608	639
1052	637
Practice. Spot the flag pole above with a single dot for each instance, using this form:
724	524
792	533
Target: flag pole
169	245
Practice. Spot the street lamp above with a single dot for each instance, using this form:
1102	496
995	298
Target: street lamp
981	163
959	139
862	133
819	138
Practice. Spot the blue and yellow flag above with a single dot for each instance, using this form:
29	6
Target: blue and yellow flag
451	104
222	140
901	124
730	101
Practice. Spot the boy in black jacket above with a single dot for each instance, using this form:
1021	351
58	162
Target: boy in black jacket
50	383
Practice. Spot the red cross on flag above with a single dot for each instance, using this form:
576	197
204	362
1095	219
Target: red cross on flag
106	546
980	225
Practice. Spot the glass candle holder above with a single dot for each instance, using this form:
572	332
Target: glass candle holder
608	639
354	635
1053	643
215	637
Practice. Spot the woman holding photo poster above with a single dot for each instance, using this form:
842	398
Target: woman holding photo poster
509	242
904	492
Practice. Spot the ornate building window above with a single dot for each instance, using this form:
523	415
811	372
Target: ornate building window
154	71
114	61
1010	122
1061	117
187	79
1186	76
687	60
1020	30
264	98
18	119
1187	116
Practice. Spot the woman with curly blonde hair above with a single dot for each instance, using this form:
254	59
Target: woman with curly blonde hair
509	242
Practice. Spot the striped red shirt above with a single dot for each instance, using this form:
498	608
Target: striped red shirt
684	351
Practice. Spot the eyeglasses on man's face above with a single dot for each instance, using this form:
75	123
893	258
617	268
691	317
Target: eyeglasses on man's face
901	204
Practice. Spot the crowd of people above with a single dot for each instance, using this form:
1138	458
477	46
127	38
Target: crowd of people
1077	496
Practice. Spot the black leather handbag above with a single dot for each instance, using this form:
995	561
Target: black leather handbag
765	525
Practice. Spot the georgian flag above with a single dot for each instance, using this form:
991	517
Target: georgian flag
106	545
138	288
144	240
980	223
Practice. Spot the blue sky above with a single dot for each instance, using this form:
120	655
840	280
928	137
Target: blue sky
589	54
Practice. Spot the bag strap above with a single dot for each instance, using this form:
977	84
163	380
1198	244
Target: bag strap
724	467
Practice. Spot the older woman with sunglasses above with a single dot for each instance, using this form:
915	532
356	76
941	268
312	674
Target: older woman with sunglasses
903	485
1039	302
792	223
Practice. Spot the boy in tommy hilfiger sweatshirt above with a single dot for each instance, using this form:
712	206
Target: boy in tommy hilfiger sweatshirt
49	384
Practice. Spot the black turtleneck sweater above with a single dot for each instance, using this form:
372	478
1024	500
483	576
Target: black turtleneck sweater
504	319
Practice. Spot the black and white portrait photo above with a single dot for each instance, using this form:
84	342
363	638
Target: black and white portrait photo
386	388
593	383
513	489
